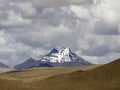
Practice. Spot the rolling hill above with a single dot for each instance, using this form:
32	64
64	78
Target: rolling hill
105	77
36	74
26	79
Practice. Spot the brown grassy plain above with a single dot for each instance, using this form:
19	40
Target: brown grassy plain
100	77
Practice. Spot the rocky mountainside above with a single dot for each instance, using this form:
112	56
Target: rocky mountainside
27	64
60	56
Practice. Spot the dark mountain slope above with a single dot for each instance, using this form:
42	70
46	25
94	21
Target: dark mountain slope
27	64
3	65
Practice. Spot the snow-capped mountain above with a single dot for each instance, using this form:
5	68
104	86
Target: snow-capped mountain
62	55
59	56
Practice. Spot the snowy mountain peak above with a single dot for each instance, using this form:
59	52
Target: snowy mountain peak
58	57
61	55
60	50
31	60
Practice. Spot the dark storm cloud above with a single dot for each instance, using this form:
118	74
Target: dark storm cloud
56	3
103	28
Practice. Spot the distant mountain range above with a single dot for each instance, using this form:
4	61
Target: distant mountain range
60	56
4	68
3	65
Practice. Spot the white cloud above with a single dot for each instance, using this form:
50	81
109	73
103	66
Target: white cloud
25	8
15	19
12	52
93	45
81	11
108	11
2	38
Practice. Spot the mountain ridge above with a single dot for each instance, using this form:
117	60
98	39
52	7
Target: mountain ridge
57	57
3	65
4	68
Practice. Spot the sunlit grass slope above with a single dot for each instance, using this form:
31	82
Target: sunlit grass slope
106	77
30	75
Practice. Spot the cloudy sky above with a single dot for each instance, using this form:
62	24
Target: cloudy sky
31	28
